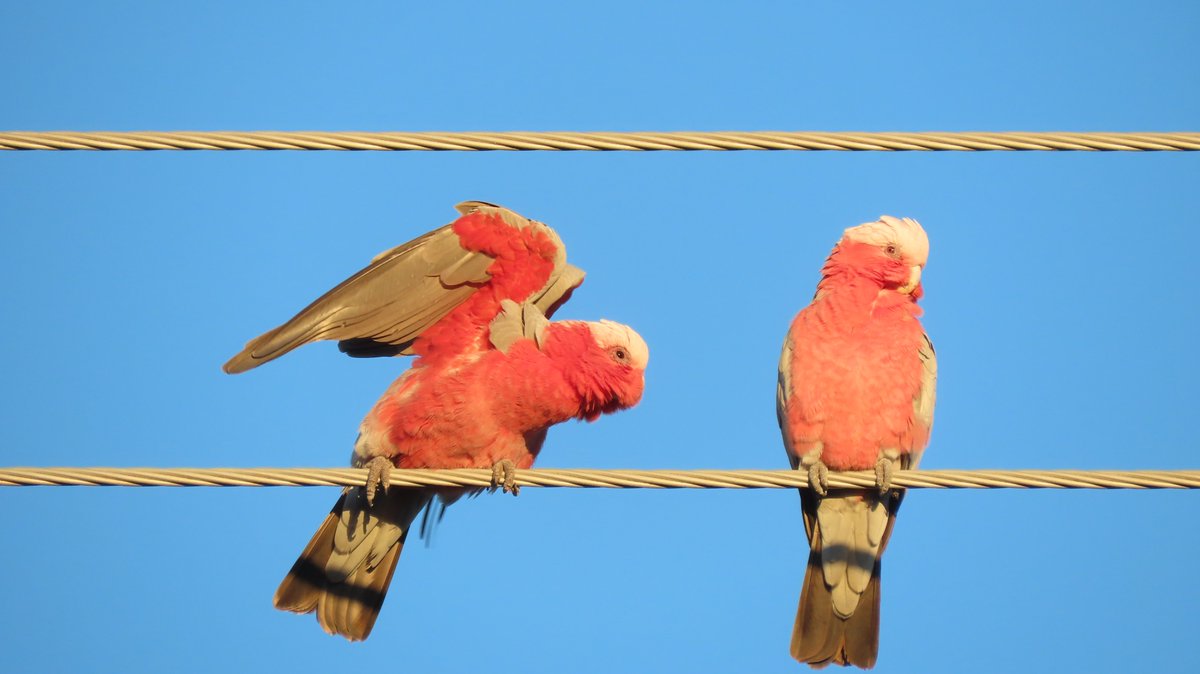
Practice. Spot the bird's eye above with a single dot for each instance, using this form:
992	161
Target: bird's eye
620	355
892	250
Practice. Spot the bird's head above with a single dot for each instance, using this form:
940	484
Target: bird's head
604	362
892	251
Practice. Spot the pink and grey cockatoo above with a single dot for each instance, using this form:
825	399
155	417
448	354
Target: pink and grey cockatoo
492	375
856	392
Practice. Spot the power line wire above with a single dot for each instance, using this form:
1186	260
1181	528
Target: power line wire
600	141
636	479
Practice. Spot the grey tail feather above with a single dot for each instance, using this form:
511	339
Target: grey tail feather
348	607
862	628
820	637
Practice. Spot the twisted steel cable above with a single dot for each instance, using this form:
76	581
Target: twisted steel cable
600	141
635	479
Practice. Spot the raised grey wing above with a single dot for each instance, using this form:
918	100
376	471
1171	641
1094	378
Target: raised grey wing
384	306
382	309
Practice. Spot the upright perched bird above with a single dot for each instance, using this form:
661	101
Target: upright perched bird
492	374
856	392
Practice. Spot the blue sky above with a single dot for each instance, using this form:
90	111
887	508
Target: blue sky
1059	292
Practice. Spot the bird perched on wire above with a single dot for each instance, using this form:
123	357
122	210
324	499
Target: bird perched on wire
856	392
492	374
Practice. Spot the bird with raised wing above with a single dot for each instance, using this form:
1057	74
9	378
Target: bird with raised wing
471	300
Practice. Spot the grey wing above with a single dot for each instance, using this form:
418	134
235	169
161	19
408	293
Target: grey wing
402	292
783	391
926	397
383	308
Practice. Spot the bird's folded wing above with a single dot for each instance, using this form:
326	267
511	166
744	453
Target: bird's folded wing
925	399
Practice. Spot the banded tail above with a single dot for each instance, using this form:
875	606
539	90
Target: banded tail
837	620
344	571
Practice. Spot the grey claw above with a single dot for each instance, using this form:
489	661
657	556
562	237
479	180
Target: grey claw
884	469
818	478
504	474
379	473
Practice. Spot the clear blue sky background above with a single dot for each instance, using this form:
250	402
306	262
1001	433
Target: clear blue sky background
1060	294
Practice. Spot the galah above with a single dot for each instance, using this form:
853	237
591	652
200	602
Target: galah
492	374
856	392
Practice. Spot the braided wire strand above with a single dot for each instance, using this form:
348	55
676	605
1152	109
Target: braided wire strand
635	479
976	141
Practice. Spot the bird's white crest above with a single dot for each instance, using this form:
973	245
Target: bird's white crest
905	233
609	334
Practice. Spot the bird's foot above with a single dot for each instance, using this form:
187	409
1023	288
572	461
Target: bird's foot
818	477
379	473
885	468
504	475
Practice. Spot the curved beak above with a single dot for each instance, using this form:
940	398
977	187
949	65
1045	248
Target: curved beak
914	280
